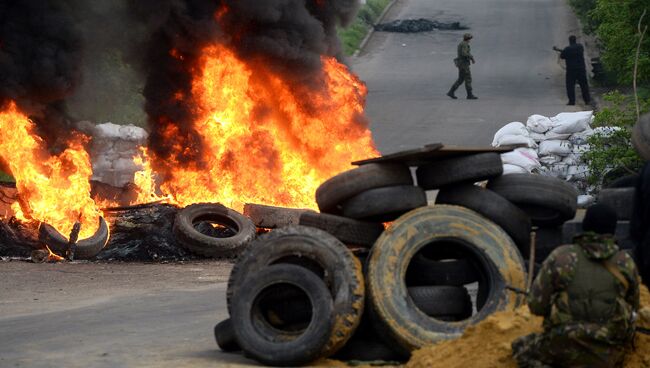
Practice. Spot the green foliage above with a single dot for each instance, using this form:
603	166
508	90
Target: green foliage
612	155
352	36
6	178
583	10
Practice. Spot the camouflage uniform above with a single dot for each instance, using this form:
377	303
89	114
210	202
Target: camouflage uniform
588	293
464	73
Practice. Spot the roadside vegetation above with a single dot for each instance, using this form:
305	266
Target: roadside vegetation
618	27
352	35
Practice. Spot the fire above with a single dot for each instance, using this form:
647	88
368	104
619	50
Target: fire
52	188
259	142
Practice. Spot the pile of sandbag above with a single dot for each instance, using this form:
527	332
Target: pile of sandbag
550	146
113	150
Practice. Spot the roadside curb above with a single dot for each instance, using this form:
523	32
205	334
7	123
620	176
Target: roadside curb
366	39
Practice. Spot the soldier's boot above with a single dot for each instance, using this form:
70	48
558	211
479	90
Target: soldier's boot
451	94
472	97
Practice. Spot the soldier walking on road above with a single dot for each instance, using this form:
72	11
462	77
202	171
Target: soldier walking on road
464	73
574	57
588	294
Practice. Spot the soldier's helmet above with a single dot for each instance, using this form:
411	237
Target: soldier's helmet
467	36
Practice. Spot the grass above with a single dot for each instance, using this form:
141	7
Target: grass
352	35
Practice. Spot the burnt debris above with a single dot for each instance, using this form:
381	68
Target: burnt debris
418	25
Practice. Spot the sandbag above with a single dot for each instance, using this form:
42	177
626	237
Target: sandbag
514	128
522	157
560	148
509	169
553	136
508	140
539	124
572	159
581	137
571	122
550	160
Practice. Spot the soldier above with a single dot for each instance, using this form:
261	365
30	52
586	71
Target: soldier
574	57
462	63
588	294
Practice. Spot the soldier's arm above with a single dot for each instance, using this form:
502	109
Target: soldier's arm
563	53
552	277
627	266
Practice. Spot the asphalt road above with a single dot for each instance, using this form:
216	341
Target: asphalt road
89	315
516	74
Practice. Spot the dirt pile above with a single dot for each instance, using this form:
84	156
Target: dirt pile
488	343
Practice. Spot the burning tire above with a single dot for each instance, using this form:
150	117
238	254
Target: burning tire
496	208
272	217
448	271
84	249
548	201
195	241
319	252
225	336
350	183
277	345
347	230
448	228
384	204
442	301
462	169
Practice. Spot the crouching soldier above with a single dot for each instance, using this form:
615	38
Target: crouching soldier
588	294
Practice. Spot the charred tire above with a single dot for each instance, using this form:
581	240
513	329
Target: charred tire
395	314
350	183
621	200
384	204
225	336
462	169
454	272
548	201
271	217
326	256
496	208
442	300
84	249
347	230
268	345
641	137
193	240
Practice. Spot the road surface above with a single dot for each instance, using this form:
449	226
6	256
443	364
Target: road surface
117	315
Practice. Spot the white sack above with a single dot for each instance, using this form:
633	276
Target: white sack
508	140
550	160
107	130
580	149
571	122
133	133
572	159
537	137
514	128
577	172
513	169
552	136
539	124
560	148
585	200
581	137
522	157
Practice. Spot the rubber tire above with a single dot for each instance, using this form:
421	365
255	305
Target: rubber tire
271	217
621	200
547	239
368	349
463	169
343	273
442	300
350	183
424	271
628	181
641	137
194	241
225	336
555	199
496	208
393	312
85	248
384	204
347	230
268	345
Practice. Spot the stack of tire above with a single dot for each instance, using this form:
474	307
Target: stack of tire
417	272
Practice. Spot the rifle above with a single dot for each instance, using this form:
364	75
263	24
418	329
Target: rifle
555	48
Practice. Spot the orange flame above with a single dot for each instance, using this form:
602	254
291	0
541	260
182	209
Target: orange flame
52	188
259	142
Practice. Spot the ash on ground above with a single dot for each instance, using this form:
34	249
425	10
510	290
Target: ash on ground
417	25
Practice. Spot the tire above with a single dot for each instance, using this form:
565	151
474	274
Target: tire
268	345
548	201
368	349
496	208
225	336
464	169
350	183
547	239
442	300
322	253
347	230
453	272
629	181
393	312
641	137
384	204
84	249
271	217
621	200
194	241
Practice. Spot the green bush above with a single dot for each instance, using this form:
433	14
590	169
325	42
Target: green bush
352	35
612	156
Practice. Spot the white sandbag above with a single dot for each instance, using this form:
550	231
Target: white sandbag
133	133
606	131
522	157
552	136
550	160
581	137
585	200
560	148
537	137
581	149
512	140
107	130
571	122
577	172
539	124
514	128
572	159
513	169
